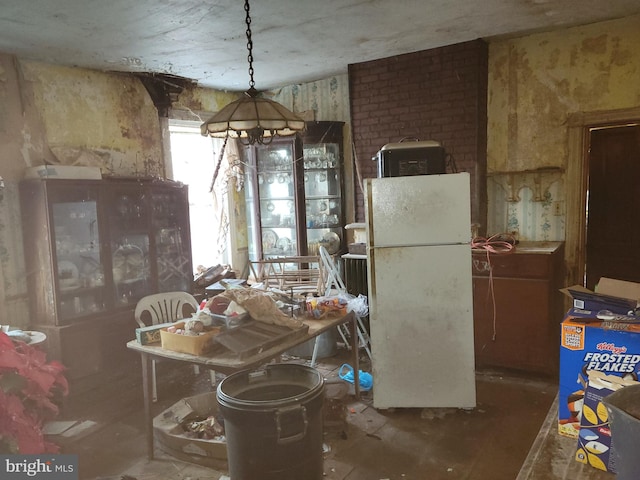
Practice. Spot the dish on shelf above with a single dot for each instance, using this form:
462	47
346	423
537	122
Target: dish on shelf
269	239
284	244
27	336
331	241
68	275
128	263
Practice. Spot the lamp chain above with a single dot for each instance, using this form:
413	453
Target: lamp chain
249	44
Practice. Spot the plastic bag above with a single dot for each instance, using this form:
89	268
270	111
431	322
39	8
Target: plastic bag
359	305
341	304
364	379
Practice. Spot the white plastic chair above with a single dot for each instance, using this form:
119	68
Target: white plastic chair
164	308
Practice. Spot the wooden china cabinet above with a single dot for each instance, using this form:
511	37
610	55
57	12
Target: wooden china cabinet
93	248
294	193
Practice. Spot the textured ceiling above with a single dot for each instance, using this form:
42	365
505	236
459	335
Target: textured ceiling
294	40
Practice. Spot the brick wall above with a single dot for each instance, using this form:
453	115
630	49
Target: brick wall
438	94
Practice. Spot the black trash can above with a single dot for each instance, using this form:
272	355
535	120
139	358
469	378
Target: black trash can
273	423
623	407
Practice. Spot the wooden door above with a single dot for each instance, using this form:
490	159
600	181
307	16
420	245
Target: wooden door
613	205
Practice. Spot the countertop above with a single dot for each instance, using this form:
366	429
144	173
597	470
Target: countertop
532	247
522	247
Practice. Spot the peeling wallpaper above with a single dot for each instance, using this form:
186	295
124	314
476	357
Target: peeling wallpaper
328	99
535	83
107	120
21	128
13	298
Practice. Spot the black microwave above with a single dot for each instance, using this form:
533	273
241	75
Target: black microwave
411	158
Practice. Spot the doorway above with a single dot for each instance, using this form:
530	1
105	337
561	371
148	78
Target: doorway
613	204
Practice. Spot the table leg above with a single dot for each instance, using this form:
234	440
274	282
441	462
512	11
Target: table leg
146	391
355	341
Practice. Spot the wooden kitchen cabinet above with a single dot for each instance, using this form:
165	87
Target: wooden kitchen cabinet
93	248
518	327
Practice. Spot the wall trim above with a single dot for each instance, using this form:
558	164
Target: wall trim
579	124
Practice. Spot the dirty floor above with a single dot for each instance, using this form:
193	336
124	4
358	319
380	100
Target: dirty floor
491	442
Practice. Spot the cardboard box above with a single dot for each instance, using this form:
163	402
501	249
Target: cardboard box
617	296
588	344
63	171
150	334
596	445
231	321
358	248
193	344
359	231
169	432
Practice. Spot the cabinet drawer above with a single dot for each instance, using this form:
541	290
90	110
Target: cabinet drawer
514	265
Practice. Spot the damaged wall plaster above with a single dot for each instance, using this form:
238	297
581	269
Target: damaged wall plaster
535	83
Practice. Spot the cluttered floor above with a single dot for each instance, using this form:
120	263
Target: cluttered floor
102	422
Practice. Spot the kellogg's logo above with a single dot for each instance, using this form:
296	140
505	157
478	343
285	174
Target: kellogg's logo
610	347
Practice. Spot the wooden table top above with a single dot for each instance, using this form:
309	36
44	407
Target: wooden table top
227	362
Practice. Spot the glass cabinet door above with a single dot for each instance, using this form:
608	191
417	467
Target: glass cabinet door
128	218
172	240
94	248
276	181
293	193
253	226
273	196
323	190
77	240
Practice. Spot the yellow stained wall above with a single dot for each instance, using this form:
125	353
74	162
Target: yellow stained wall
536	82
110	117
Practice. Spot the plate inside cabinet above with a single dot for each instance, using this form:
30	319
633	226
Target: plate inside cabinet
128	263
269	239
68	275
284	244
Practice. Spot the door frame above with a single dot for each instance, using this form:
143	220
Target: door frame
576	181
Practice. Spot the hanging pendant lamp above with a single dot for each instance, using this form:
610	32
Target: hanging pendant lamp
252	119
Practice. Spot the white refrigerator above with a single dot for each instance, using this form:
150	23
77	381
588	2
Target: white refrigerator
420	291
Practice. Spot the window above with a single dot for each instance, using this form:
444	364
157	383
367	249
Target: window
194	159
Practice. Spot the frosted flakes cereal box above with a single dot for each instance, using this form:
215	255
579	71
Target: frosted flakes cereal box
612	348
